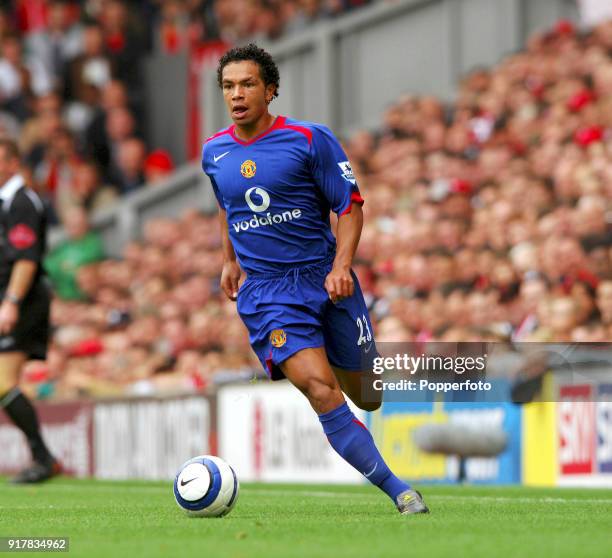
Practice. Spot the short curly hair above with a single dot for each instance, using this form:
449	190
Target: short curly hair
267	67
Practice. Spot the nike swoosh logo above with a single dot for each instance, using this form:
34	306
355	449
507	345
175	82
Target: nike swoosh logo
185	483
367	349
217	157
366	475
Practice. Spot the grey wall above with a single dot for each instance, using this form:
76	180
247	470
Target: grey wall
166	79
345	72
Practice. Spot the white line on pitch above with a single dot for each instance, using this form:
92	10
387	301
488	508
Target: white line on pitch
526	499
340	494
508	499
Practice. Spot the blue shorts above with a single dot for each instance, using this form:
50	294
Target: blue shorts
291	311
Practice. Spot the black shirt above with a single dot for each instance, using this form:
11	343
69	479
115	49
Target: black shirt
22	228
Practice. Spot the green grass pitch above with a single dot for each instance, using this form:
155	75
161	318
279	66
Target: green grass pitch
117	519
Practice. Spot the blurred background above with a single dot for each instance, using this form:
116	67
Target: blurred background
480	132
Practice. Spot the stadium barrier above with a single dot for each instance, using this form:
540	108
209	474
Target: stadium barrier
394	427
67	428
269	433
123	439
577	447
562	439
149	439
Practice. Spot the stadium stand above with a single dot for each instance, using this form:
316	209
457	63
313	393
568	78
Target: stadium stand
66	77
450	249
72	84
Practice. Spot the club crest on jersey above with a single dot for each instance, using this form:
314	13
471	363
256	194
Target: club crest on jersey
347	171
248	168
278	338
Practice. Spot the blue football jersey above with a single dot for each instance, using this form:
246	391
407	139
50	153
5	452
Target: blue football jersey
278	190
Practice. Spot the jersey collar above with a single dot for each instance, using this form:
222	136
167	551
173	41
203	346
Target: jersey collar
10	187
279	122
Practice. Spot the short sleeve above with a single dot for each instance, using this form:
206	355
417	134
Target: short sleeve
24	231
215	188
217	192
332	171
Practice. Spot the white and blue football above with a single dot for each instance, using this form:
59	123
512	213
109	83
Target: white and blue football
206	486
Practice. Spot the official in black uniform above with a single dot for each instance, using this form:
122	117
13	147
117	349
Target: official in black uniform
24	308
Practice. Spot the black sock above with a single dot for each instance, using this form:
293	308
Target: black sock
22	413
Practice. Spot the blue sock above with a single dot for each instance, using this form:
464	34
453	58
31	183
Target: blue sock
354	443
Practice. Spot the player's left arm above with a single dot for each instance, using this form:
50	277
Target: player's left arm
25	249
334	176
339	283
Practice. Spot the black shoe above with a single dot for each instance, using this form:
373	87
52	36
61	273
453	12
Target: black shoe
38	472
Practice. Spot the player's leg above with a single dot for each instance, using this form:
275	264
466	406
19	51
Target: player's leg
310	372
22	413
350	347
352	384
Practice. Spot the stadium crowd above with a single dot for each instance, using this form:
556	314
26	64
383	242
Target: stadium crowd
232	21
72	91
486	219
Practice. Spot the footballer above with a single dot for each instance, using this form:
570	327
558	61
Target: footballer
276	180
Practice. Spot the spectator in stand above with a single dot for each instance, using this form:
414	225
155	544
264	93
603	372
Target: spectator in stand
308	13
534	288
113	96
268	26
9	125
599	255
56	170
6	25
59	42
29	15
15	79
38	129
129	173
86	75
82	247
45	127
204	25
157	166
558	319
173	34
85	190
604	304
124	45
120	126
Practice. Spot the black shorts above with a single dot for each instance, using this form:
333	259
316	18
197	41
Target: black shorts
31	334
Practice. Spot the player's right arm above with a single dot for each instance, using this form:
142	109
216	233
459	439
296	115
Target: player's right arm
230	275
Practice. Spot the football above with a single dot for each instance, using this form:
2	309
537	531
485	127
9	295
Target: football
206	486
